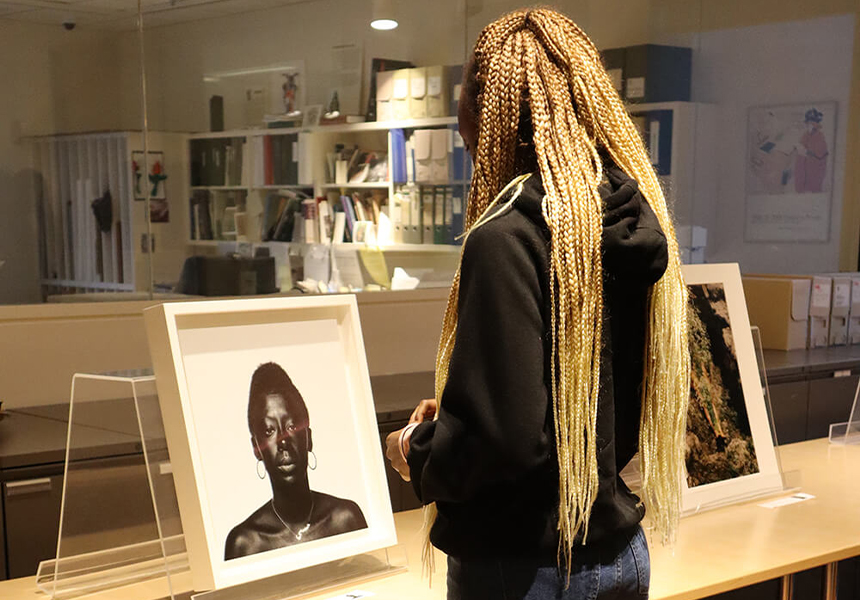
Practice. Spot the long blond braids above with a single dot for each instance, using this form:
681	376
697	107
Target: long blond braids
541	58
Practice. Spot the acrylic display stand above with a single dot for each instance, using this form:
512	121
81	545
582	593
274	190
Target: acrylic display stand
119	522
119	519
848	433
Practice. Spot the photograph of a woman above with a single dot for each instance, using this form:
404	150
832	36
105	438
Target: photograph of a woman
282	443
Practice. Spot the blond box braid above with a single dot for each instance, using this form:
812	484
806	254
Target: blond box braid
541	58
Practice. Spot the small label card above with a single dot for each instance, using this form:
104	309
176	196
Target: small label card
794	499
353	595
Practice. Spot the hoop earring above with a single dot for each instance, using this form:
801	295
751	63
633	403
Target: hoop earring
313	468
263	474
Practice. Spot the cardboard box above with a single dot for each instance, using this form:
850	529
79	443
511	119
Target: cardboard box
780	309
819	306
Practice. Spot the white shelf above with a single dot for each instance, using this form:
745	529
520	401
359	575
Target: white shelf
210	242
286	186
456	182
221	188
373	185
401	248
345	128
384	125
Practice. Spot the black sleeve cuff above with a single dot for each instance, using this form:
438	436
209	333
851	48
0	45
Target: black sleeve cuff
419	452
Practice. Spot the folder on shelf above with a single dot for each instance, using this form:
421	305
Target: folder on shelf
398	156
400	95
418	93
384	95
441	149
440	195
437	91
349	210
395	213
414	229
458	157
422	142
427	214
448	227
457	222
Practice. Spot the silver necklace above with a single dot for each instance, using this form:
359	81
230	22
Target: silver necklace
301	531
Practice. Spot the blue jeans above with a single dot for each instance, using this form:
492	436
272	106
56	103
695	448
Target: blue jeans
617	569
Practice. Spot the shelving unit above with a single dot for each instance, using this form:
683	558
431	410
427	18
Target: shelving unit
683	157
312	144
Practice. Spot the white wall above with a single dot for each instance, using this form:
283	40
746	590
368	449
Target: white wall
787	63
179	55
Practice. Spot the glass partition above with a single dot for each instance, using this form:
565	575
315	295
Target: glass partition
71	110
745	108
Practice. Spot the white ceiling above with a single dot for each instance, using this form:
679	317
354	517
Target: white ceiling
122	14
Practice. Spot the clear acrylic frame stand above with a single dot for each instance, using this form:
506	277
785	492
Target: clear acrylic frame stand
848	433
119	519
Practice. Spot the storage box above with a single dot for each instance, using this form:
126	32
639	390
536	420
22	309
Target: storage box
854	314
650	72
840	310
384	96
780	309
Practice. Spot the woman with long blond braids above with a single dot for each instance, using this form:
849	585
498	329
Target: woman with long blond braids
564	344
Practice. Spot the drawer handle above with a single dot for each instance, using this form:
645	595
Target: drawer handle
28	486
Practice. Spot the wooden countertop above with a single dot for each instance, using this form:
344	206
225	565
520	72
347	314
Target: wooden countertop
716	551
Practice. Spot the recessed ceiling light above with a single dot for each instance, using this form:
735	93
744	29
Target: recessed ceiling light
384	24
382	15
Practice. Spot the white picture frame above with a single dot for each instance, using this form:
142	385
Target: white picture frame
713	488
204	354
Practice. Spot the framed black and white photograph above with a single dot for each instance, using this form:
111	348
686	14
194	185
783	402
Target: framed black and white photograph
729	446
272	434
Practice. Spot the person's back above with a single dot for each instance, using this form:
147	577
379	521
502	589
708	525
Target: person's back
565	330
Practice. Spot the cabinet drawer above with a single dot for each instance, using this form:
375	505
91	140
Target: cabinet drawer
830	401
790	406
32	508
109	504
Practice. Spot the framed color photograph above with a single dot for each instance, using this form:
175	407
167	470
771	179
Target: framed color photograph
730	453
272	434
154	180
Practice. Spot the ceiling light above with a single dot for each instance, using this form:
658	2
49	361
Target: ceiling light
383	16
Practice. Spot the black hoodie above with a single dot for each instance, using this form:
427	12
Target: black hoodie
489	460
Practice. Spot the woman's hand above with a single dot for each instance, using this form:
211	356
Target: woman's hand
395	455
425	410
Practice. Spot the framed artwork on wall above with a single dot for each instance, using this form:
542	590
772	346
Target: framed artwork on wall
730	452
272	434
789	172
154	178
